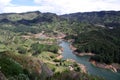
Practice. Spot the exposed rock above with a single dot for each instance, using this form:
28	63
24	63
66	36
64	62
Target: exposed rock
113	67
59	57
83	68
60	51
84	54
72	47
71	68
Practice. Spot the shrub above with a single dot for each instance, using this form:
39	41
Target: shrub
9	67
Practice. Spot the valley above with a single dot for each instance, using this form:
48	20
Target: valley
33	45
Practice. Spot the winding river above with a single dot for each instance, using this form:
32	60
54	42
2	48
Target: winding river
107	74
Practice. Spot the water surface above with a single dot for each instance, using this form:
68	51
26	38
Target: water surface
107	74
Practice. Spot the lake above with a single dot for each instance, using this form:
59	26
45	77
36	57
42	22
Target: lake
107	74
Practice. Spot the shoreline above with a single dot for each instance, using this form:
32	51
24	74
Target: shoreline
60	51
83	54
81	66
80	54
114	67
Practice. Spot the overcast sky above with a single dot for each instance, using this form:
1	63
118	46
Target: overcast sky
58	6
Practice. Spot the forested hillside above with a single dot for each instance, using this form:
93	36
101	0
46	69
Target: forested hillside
107	18
103	41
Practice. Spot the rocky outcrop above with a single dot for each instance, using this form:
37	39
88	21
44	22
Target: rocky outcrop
84	54
113	67
72	47
81	66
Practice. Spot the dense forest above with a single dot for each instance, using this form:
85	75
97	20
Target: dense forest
104	43
29	47
102	36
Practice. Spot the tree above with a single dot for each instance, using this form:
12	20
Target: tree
22	50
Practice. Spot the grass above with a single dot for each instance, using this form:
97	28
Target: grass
2	47
27	60
54	64
47	56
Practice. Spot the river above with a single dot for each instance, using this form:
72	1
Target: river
107	74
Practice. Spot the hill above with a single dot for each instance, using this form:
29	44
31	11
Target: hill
106	18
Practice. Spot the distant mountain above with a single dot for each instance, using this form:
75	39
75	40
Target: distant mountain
19	16
107	18
28	18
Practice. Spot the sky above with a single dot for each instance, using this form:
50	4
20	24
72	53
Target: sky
58	6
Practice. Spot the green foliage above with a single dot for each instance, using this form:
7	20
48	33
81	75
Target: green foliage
10	67
17	66
68	75
38	48
19	77
22	50
108	18
104	43
56	60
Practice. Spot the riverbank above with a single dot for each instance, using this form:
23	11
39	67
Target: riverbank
80	54
113	67
83	54
81	66
71	68
60	51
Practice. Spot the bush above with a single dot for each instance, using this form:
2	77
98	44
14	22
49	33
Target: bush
21	50
9	67
19	77
38	48
56	60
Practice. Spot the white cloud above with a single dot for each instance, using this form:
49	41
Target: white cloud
20	9
62	6
38	1
3	4
70	6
